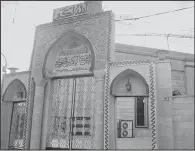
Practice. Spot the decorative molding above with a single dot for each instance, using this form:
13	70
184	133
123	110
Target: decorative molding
16	74
107	87
130	62
30	82
153	105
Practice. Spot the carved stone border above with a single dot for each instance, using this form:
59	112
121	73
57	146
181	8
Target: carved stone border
152	97
153	104
107	87
26	122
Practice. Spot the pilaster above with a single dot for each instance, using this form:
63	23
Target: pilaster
164	105
37	114
99	118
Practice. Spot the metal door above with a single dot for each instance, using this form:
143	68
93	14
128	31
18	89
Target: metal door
71	118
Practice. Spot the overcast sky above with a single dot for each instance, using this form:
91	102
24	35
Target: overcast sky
17	36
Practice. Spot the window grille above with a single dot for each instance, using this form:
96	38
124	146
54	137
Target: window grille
16	138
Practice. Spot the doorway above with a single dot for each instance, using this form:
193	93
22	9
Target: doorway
71	114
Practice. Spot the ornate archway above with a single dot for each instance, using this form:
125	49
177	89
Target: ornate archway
16	95
129	78
131	95
71	54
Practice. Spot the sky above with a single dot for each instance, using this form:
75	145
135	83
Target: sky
20	18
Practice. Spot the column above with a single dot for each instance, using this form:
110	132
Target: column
37	114
164	105
99	118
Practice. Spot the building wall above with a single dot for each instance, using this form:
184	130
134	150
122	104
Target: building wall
182	67
183	122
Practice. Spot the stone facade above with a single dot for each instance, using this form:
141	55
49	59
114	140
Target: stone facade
76	64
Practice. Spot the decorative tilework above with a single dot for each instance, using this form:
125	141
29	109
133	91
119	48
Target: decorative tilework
27	131
131	62
107	88
153	106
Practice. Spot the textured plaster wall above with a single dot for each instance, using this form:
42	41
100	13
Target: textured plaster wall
183	122
164	105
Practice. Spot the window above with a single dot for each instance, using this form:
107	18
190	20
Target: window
141	112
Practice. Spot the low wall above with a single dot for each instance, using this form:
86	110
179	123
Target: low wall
183	122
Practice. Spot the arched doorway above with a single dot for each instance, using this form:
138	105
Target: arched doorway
70	63
131	93
15	95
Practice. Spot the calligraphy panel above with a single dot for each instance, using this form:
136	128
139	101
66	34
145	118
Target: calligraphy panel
73	56
70	11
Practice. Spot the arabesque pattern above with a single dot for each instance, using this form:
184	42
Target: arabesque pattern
16	138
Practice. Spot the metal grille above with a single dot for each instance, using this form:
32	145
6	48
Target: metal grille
83	123
71	117
16	139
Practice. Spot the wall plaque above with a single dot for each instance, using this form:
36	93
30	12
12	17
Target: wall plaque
74	57
70	11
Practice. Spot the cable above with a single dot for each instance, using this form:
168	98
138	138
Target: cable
158	35
156	14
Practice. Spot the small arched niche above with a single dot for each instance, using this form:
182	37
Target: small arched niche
129	83
16	91
70	54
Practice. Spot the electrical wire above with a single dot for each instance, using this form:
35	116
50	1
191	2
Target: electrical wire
156	14
158	35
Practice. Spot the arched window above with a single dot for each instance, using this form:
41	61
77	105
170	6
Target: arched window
16	93
131	92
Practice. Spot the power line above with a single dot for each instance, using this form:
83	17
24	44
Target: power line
156	14
158	35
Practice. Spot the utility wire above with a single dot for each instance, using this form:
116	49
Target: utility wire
158	35
156	14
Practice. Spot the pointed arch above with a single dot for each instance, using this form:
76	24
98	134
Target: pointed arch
63	41
138	84
16	89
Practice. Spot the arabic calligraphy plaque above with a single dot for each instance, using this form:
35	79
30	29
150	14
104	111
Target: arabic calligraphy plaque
70	11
